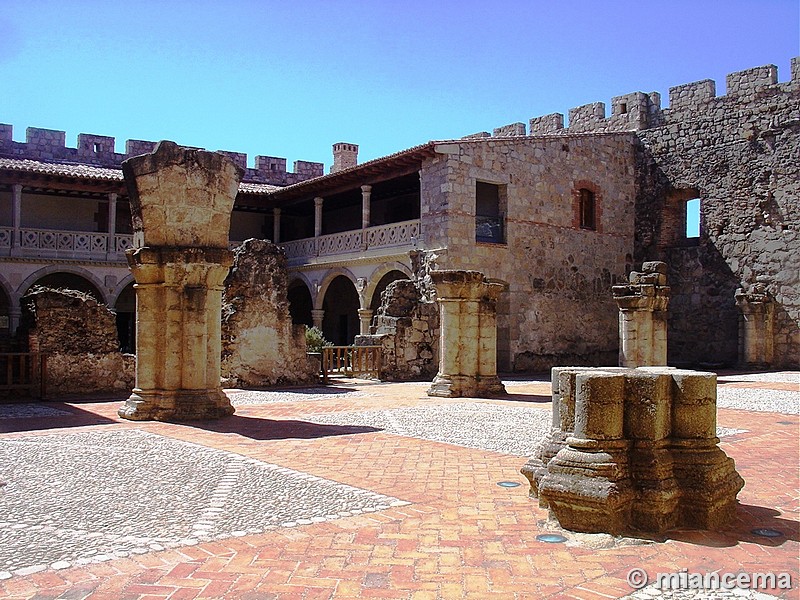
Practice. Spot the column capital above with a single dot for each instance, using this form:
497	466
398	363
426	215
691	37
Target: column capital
318	201
366	188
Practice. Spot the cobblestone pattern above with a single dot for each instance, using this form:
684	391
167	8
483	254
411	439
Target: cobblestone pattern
506	429
311	394
652	592
779	401
76	498
29	411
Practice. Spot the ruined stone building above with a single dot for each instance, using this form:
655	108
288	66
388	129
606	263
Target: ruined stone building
556	214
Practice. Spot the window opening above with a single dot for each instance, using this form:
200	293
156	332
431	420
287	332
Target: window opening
587	210
489	217
693	218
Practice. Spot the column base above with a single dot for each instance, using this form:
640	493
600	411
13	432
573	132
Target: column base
176	405
466	386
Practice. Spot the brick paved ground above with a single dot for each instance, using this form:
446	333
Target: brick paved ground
363	490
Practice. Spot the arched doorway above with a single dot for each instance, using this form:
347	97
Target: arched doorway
300	303
70	281
340	323
126	319
384	282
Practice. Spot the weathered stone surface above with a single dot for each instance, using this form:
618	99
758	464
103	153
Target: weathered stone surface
181	200
468	335
260	345
181	196
406	325
643	316
756	326
639	452
79	337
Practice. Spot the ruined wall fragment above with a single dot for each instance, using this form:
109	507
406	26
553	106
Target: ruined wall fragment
260	345
79	337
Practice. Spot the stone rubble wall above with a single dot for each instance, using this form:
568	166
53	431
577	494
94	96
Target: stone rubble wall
49	145
260	345
406	325
79	337
739	154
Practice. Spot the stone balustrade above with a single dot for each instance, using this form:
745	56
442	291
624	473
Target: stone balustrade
381	236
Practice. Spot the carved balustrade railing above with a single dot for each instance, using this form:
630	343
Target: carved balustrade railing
54	243
358	240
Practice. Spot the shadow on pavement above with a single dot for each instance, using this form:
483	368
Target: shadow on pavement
278	429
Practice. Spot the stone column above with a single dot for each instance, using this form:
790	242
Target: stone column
643	317
111	249
318	216
317	314
468	335
181	200
366	194
16	217
276	225
756	340
365	319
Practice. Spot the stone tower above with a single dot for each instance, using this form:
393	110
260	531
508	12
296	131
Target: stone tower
344	156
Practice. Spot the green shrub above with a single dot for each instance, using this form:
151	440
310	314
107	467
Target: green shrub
315	340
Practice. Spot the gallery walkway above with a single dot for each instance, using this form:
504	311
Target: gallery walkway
356	490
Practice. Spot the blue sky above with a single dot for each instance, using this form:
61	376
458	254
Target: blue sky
291	78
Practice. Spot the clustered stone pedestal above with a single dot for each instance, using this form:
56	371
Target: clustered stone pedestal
634	449
643	316
468	338
181	202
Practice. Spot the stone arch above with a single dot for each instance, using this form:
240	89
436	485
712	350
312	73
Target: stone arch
373	300
326	281
126	281
340	301
95	286
301	300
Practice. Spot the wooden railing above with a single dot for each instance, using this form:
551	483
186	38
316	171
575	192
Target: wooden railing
350	361
23	371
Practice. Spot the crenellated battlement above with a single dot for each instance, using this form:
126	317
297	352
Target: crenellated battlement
50	145
637	110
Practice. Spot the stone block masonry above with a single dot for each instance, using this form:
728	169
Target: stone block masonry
634	450
736	153
181	203
468	341
49	145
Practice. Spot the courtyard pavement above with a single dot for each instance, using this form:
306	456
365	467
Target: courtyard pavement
357	490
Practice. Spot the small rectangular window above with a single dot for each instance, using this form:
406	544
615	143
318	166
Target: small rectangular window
489	217
587	210
693	218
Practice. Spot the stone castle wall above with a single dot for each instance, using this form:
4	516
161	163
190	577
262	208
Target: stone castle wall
558	307
738	153
49	145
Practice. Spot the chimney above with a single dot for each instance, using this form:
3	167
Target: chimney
344	156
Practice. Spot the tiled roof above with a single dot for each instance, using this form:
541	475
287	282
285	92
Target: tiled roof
71	170
99	173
